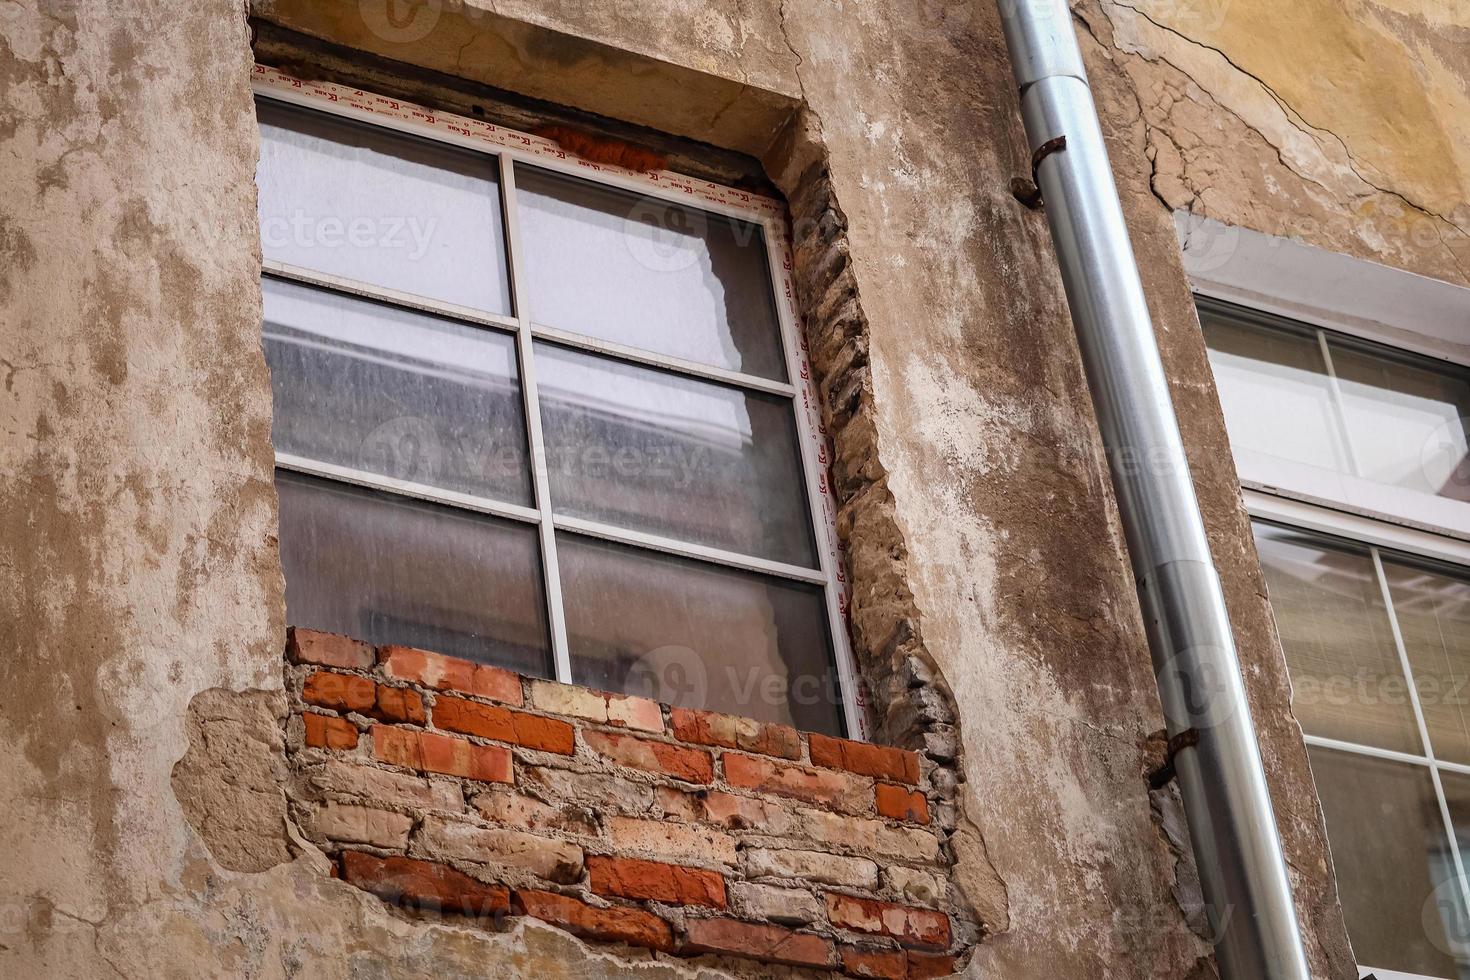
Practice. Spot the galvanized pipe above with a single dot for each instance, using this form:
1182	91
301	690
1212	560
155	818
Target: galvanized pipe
1231	825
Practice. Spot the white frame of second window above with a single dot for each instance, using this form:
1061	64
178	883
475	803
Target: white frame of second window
1328	291
509	147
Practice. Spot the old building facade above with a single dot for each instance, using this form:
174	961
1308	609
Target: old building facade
653	522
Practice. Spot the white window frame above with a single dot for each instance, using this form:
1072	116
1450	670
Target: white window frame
1344	295
509	147
1372	302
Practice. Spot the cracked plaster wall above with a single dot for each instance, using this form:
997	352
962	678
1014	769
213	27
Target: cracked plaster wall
138	520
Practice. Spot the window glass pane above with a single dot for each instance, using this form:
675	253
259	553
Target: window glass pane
1265	376
697	635
1345	673
1394	866
394	392
367	203
673	456
639	271
387	569
1448	905
1406	419
1433	610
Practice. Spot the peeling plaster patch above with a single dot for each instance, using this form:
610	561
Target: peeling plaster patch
230	783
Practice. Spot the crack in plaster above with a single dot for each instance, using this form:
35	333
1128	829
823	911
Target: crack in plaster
1292	114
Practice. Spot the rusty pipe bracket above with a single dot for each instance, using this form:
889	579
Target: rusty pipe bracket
1165	774
1029	192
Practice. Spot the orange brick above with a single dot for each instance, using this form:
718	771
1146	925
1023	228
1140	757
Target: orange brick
878	964
690	765
429	752
472	718
423	884
545	734
732	732
902	803
671	883
837	790
305	646
328	732
503	725
399	704
910	926
767	943
340	692
450	674
612	925
928	966
881	761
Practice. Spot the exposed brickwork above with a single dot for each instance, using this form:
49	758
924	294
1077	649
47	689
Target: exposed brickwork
442	784
837	790
690	765
921	927
732	732
902	803
328	732
768	943
880	964
616	924
503	725
869	760
671	883
328	649
423	884
443	673
428	752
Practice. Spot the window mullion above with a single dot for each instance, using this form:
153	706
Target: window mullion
1339	405
540	477
1407	667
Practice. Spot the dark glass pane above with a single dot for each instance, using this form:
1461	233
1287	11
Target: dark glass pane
363	202
1347	682
642	272
387	569
698	635
1433	609
656	452
1394	865
1448	905
394	392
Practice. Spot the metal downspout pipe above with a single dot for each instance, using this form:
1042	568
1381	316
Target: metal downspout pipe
1236	846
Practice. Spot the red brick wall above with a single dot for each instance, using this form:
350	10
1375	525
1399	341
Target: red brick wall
446	786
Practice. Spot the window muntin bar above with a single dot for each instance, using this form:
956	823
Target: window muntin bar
740	208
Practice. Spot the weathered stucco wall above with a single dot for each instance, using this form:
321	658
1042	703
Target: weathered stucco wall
1342	123
138	518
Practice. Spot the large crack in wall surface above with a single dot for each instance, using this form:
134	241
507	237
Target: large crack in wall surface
1269	153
